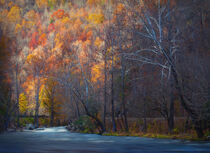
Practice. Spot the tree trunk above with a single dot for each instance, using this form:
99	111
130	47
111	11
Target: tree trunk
78	112
193	115
123	94
145	119
77	106
17	95
105	95
114	129
98	122
171	107
52	113
199	128
36	118
7	119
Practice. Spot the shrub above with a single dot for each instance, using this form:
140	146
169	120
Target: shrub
85	124
27	120
176	131
44	121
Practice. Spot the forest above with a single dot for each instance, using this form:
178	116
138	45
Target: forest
113	67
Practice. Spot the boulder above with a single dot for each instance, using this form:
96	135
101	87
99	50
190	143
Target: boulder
30	127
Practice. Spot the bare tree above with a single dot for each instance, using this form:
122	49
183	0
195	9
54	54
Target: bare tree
163	52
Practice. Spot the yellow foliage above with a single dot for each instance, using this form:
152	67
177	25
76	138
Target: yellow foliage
47	93
31	15
58	41
34	58
30	58
120	7
96	2
10	4
42	96
109	51
42	3
30	24
116	59
3	15
98	42
77	24
2	2
14	14
91	2
23	22
97	72
96	18
53	2
18	27
23	103
65	20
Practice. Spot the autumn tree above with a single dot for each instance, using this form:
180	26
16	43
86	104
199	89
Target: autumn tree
23	103
36	66
49	99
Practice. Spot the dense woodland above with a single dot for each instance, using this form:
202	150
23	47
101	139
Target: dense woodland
135	65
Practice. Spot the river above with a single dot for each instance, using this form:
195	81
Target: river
59	140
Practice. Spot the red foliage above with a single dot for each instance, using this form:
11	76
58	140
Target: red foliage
34	40
51	27
58	14
85	36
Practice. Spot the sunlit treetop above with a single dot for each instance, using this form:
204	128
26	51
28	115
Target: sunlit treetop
97	72
2	2
34	40
59	14
18	28
98	42
42	39
31	15
42	3
96	2
96	18
14	14
120	7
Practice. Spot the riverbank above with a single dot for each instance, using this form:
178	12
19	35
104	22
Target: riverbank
189	137
160	136
157	128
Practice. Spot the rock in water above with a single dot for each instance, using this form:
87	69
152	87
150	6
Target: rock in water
30	127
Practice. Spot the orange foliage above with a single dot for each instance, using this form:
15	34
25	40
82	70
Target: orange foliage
42	3
51	27
97	72
14	14
2	2
42	39
120	7
31	15
34	40
85	36
59	14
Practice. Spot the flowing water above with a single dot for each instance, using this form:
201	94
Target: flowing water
59	140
